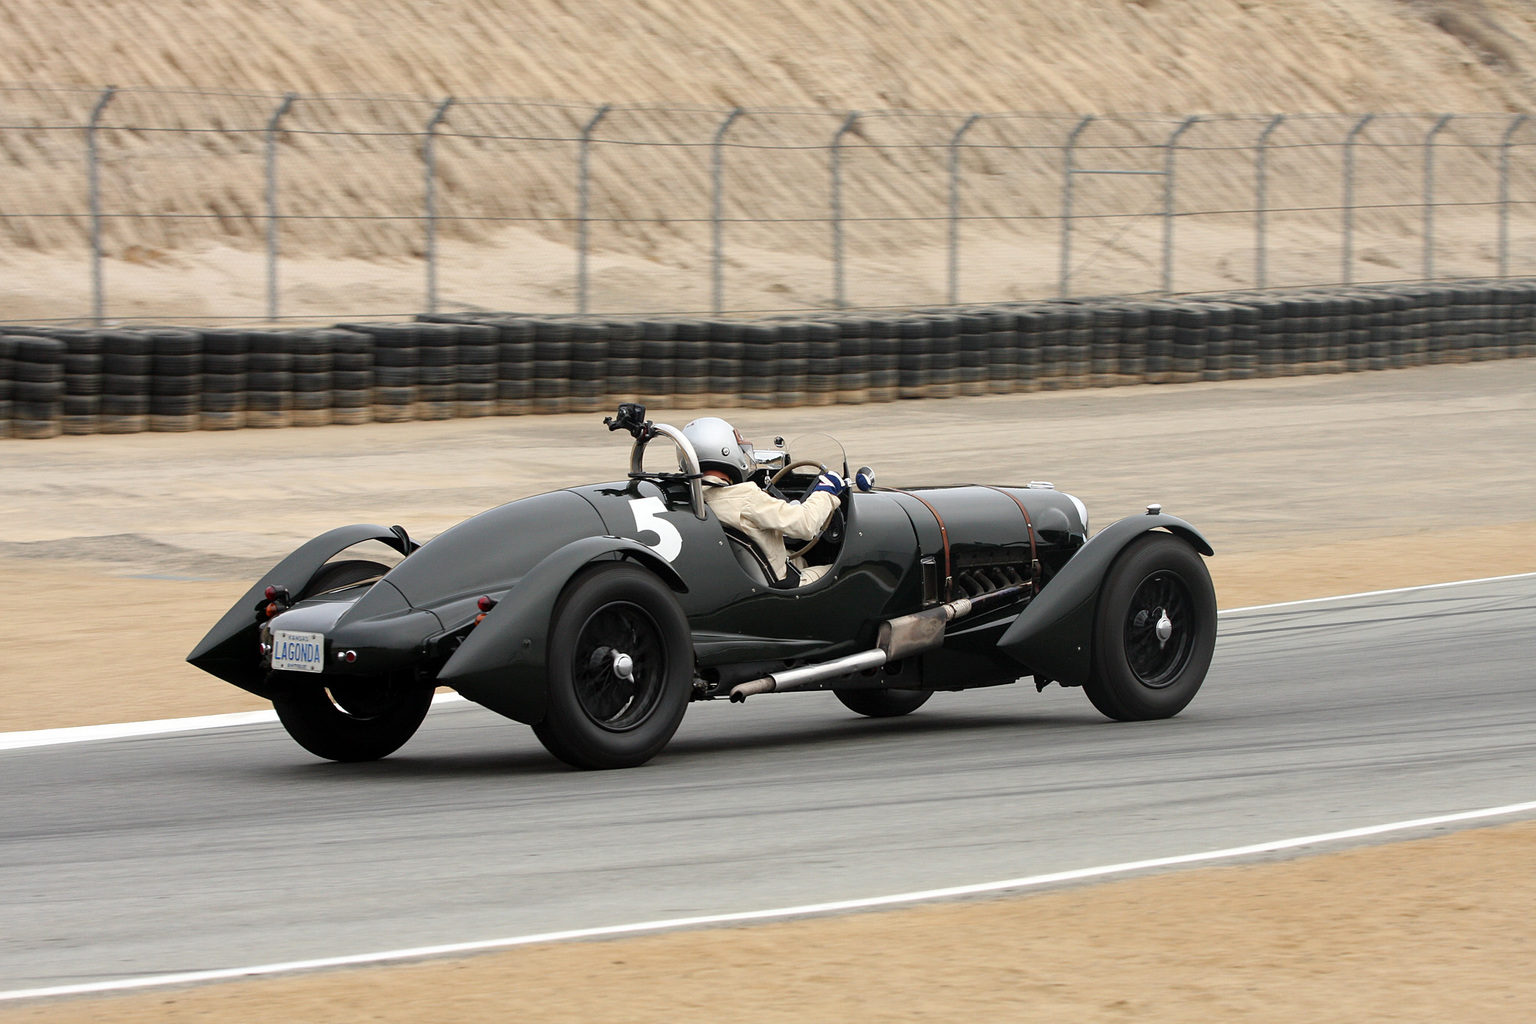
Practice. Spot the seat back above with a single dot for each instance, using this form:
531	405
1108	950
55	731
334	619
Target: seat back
748	556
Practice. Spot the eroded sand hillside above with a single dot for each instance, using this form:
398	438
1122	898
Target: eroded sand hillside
186	224
1088	55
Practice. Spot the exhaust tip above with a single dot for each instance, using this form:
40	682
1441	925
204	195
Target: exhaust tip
741	691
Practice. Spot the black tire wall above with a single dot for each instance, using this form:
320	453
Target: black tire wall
57	380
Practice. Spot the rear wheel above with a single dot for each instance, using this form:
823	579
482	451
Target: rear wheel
1154	631
620	669
883	703
352	718
356	720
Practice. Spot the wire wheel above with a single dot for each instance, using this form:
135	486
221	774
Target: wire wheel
620	666
1154	630
1158	629
620	669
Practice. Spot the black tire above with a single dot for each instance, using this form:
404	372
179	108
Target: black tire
595	719
1136	675
883	703
359	719
353	719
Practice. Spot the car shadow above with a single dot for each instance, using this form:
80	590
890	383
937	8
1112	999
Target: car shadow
693	749
858	728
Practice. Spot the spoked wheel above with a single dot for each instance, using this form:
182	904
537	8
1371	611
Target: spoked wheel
883	703
356	719
620	668
1154	631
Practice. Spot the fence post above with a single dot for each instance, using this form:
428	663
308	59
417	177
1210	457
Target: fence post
1068	169
1349	197
581	205
954	208
98	298
1169	149
1509	133
1261	200
429	163
1429	196
716	211
271	162
839	289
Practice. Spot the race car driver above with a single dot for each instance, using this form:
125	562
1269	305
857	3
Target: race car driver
731	490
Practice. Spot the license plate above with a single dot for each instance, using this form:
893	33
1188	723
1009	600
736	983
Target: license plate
298	652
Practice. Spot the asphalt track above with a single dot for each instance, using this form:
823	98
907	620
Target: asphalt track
233	847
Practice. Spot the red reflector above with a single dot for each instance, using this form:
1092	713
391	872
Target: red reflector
271	593
351	657
485	604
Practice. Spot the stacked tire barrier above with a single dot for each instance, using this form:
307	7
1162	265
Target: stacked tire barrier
37	387
70	381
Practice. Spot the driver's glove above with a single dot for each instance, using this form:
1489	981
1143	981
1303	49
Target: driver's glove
831	483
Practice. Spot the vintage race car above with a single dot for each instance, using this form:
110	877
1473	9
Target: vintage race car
595	614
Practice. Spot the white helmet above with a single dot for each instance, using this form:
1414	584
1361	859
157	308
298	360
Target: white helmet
721	446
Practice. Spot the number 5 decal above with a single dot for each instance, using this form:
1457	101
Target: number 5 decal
648	512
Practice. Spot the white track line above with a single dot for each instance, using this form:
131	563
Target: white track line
88	733
807	910
121	730
1376	593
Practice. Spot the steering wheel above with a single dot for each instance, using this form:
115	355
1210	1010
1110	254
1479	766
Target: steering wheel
773	484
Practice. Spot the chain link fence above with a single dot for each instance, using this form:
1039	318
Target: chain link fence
347	206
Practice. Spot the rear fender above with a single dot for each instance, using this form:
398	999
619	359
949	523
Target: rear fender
1053	635
229	651
502	663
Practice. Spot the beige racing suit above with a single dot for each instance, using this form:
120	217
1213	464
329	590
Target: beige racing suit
768	520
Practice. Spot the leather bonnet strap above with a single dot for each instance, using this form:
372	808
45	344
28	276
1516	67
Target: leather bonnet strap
1029	527
949	582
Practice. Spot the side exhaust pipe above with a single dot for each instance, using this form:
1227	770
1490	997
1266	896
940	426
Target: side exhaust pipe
800	678
898	638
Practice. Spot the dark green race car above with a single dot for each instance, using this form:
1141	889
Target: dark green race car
595	614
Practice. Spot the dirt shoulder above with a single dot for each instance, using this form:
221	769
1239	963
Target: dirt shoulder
1431	930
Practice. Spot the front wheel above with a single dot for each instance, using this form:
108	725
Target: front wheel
1154	631
355	720
620	669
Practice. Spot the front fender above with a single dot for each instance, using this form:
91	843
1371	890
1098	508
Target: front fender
1053	635
502	663
229	649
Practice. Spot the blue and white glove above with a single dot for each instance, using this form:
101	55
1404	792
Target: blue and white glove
831	483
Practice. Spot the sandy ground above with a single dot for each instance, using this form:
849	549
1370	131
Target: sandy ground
1440	929
987	54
